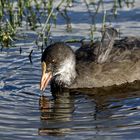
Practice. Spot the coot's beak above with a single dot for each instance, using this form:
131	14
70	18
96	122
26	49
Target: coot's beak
45	78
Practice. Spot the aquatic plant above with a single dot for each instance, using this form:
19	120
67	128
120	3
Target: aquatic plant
39	16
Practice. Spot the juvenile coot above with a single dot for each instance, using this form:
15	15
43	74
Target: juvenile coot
101	64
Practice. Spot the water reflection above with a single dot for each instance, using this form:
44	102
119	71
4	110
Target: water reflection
84	113
58	111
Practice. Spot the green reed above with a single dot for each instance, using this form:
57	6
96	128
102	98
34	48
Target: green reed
43	13
64	13
20	12
1	9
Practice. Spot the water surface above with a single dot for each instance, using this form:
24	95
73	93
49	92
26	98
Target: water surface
26	113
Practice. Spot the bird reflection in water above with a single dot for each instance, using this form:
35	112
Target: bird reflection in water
64	115
56	114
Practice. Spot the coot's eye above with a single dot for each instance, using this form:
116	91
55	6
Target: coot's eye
53	61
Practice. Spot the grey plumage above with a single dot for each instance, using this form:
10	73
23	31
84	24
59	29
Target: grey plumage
97	65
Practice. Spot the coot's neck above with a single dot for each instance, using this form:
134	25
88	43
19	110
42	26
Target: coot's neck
66	73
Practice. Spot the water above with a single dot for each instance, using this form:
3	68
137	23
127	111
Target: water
26	113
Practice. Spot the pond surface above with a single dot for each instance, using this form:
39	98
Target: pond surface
26	113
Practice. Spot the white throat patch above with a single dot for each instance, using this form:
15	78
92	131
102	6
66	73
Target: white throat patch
67	72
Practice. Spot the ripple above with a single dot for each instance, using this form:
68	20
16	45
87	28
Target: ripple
26	113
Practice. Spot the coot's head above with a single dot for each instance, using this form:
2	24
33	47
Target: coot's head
58	64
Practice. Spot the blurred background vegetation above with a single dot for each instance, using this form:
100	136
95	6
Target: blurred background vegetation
18	18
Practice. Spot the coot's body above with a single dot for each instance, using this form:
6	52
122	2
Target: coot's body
98	65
